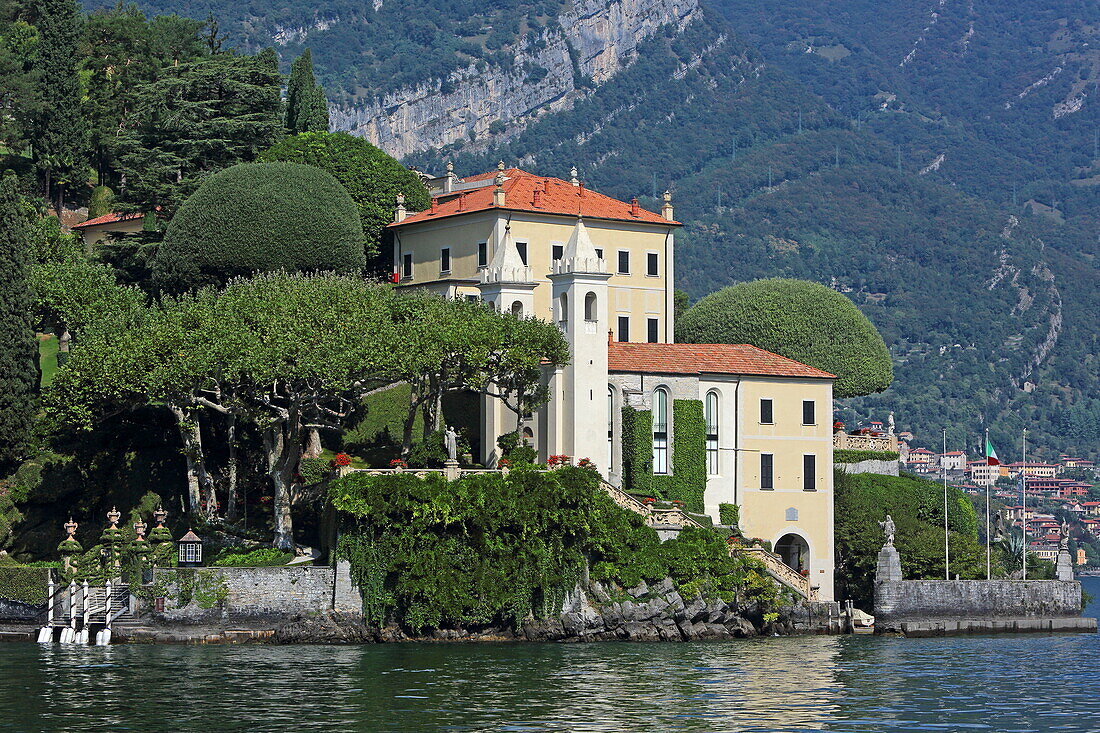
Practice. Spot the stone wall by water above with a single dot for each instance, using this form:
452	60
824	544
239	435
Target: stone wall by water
902	600
16	612
247	593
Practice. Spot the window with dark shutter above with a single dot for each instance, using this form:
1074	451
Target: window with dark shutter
651	262
809	473
767	479
624	328
809	413
624	262
652	330
766	411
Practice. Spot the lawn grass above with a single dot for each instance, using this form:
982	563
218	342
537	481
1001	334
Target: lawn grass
47	357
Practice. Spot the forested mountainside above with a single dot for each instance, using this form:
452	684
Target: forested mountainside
939	163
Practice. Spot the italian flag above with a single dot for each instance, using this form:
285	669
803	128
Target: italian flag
991	458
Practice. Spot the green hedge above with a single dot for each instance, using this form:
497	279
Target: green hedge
855	456
25	585
687	479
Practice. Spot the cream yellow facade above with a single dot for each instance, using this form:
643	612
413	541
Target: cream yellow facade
640	292
800	502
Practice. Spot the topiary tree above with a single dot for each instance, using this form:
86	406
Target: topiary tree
259	217
372	178
797	319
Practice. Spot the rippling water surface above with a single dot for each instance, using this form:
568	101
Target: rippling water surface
994	683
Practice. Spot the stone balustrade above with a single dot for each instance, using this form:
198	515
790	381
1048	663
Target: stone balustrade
778	569
844	441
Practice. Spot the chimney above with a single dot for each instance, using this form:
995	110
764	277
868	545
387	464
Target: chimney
537	198
666	208
400	213
634	206
498	193
580	190
462	201
435	206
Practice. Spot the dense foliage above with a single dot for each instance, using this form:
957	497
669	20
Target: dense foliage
797	319
306	106
363	50
18	347
855	456
281	356
494	549
259	217
372	178
58	136
916	506
24	585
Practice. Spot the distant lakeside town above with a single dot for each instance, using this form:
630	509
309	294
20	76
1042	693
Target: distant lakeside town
1034	496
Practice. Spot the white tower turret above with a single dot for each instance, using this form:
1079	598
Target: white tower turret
577	415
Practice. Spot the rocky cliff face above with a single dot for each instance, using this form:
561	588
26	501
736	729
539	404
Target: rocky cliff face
591	42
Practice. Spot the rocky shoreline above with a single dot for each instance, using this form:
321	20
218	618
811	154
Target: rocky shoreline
593	613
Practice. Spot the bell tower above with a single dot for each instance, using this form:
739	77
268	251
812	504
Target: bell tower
576	417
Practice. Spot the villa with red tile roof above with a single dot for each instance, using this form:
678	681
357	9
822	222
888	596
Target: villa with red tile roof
94	231
602	270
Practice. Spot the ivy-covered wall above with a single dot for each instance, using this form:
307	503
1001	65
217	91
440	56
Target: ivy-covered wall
687	480
25	585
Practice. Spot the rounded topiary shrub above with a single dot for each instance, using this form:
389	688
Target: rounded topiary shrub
372	178
800	320
256	217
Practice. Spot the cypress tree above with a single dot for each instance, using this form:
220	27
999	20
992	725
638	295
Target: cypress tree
306	106
18	348
61	132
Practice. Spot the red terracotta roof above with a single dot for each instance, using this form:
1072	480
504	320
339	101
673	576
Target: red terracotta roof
108	219
705	359
555	197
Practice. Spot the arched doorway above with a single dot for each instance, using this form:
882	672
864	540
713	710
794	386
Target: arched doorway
794	551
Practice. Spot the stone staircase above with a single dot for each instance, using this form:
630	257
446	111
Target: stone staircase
675	517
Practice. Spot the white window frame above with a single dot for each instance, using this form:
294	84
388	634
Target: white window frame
654	254
760	410
444	259
619	262
814	407
804	476
712	419
661	437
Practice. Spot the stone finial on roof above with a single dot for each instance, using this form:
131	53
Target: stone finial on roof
666	207
573	176
499	197
400	213
579	254
507	265
500	165
450	178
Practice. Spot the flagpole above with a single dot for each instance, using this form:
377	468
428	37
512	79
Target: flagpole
1023	494
946	535
988	563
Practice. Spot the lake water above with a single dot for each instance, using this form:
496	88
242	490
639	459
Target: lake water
991	683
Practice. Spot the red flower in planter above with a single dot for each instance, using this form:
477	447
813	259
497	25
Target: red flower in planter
677	502
398	463
342	460
503	463
649	500
558	460
586	463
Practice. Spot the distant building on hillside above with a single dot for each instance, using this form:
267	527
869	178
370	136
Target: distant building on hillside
953	460
1033	469
97	230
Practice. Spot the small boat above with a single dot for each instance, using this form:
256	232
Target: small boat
862	623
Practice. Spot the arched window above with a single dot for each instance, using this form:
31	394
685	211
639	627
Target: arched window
610	426
660	430
563	309
711	415
590	307
517	309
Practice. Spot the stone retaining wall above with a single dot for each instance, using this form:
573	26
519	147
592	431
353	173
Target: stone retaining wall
274	592
884	468
911	600
16	612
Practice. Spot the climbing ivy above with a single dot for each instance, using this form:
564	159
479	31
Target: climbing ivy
494	549
206	588
687	479
25	585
